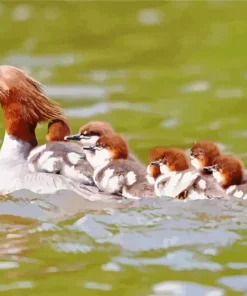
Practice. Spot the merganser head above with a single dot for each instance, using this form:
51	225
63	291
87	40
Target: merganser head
24	104
107	148
202	153
57	130
174	159
227	170
91	132
156	154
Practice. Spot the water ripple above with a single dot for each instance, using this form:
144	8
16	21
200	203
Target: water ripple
178	260
176	288
16	286
44	61
236	282
104	108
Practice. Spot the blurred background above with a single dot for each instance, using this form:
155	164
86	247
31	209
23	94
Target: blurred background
162	73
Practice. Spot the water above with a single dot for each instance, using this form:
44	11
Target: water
162	73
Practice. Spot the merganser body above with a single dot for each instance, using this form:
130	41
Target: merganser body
24	106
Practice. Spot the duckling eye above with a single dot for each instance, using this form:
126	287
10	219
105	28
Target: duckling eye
216	167
90	134
99	145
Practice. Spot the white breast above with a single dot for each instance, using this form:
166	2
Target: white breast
195	163
110	182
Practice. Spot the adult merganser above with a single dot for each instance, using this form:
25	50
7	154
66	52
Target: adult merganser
114	173
24	106
173	161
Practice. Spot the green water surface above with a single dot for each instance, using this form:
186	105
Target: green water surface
169	73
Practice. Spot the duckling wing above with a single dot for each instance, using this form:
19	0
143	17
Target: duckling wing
44	183
138	191
179	182
57	149
207	185
239	191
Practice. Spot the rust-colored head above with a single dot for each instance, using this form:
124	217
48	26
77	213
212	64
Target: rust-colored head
91	132
96	128
155	154
57	130
175	159
227	170
115	145
23	103
203	153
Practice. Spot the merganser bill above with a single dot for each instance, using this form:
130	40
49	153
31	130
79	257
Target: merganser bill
24	106
90	133
114	173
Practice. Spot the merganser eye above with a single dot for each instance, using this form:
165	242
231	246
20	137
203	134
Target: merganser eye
216	167
99	145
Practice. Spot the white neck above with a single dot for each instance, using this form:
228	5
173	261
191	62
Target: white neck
98	169
98	158
13	147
